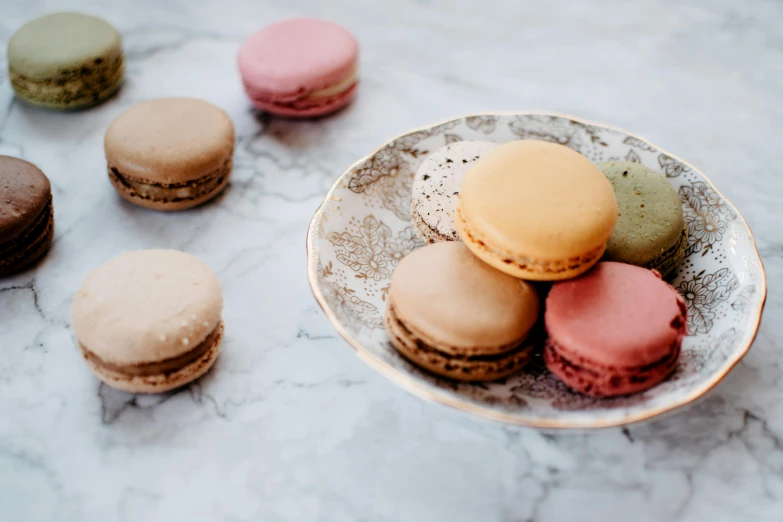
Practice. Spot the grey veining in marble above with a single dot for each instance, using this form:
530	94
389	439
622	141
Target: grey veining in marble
291	425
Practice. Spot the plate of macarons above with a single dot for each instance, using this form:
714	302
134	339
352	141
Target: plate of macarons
537	269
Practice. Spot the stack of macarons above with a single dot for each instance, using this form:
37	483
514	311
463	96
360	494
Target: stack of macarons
150	320
504	219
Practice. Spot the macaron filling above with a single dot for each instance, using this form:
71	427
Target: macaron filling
338	88
303	101
529	265
31	243
154	368
461	366
84	85
172	192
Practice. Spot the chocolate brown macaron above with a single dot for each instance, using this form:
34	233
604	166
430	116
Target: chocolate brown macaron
456	316
170	153
26	214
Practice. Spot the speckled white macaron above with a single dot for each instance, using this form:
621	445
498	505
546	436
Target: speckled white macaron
149	321
436	189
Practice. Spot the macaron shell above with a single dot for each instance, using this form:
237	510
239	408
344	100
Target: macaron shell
616	315
436	188
450	299
296	56
162	382
170	140
146	306
650	212
538	200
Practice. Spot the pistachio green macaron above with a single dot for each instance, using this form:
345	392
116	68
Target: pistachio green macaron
650	229
65	61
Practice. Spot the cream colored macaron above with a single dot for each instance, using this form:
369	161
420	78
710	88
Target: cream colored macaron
458	317
436	185
536	210
149	321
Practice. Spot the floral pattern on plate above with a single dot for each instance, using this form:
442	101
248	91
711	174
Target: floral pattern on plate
363	229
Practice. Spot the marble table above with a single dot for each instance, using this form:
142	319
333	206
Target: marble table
291	425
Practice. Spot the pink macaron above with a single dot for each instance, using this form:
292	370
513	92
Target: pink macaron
615	330
300	68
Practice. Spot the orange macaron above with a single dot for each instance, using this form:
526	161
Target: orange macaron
536	210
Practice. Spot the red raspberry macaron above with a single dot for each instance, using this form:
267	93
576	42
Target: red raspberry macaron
613	331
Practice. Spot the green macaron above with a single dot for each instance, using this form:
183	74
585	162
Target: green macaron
650	229
65	61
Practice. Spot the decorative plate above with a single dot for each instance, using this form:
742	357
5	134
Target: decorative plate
363	229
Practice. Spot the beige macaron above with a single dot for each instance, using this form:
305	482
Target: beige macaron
170	153
458	317
149	321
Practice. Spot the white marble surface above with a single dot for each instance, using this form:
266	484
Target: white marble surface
291	425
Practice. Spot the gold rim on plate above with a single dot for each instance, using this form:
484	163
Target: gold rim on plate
413	386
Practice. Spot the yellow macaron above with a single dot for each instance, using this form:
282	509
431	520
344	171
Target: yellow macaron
536	210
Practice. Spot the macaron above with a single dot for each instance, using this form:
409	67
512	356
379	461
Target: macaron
149	321
436	188
615	330
459	318
650	230
26	214
300	68
170	153
65	61
536	210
